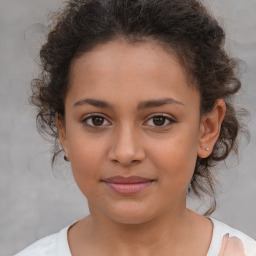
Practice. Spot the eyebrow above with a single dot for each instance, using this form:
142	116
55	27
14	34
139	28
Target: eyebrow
142	105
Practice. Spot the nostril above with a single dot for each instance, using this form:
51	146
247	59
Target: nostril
125	163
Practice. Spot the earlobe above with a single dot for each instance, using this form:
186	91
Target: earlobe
210	128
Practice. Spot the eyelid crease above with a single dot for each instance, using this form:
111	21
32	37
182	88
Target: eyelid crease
162	115
94	114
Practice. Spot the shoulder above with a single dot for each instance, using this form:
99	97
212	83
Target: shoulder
42	247
221	229
53	245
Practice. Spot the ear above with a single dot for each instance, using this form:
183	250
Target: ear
210	128
60	124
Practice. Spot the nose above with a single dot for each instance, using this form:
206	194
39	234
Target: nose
126	148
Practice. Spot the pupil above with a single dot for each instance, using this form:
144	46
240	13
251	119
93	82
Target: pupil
159	121
97	121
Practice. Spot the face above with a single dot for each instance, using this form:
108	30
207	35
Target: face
131	132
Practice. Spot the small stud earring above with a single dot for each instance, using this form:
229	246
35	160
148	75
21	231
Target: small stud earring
66	158
207	149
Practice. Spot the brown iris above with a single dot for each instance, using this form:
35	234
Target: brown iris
97	120
159	120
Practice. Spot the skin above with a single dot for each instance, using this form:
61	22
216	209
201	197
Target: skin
128	142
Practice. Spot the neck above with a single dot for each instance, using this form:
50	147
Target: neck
166	232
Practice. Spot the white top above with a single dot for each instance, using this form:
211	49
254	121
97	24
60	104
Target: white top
57	244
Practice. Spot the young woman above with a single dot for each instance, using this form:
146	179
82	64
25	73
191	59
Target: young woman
138	95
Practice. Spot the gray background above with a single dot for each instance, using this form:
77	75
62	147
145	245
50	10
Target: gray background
36	201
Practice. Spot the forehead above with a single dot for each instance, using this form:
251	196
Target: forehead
147	56
143	69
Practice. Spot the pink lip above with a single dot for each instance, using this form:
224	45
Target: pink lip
128	185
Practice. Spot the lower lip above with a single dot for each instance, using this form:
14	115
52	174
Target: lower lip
129	189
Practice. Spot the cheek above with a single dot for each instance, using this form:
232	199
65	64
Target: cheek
176	158
86	160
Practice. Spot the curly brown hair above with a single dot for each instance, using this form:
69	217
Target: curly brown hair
185	26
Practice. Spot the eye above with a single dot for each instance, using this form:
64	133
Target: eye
95	120
160	120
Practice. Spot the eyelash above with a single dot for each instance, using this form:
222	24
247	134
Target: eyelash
166	117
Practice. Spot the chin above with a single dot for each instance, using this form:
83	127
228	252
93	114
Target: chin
130	220
130	215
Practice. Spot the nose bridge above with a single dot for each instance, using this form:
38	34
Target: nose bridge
126	147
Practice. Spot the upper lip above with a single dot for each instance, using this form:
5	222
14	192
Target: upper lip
126	180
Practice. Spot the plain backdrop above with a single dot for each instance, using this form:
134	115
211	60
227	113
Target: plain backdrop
37	201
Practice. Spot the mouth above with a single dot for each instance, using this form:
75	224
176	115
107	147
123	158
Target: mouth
128	185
